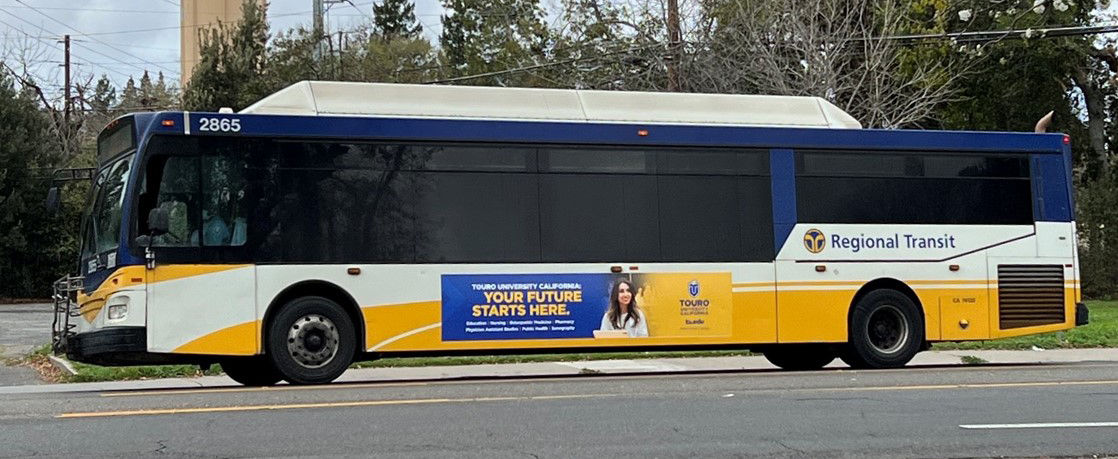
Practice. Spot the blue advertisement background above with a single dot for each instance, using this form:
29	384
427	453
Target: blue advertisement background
459	298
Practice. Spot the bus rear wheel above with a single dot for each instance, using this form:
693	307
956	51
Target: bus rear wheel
886	330
251	371
799	357
311	340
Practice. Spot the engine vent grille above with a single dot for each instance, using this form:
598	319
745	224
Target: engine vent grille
1030	295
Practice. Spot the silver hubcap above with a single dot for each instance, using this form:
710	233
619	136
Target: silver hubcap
312	341
887	330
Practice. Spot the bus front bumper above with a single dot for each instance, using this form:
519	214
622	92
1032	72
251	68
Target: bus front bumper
1081	314
107	346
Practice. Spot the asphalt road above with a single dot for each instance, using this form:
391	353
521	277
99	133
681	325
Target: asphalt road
23	327
917	413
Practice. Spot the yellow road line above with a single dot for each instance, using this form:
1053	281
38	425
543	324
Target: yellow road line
294	406
222	390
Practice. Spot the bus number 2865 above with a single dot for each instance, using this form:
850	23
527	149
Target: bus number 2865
220	125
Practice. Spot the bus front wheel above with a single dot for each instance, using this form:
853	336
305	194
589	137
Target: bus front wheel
311	340
799	357
886	330
251	371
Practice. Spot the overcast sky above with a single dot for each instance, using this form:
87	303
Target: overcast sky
115	37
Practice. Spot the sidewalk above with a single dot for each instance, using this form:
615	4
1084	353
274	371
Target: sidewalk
680	365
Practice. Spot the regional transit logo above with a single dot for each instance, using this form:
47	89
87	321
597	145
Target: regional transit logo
814	241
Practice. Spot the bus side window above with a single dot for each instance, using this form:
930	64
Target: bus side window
178	194
224	222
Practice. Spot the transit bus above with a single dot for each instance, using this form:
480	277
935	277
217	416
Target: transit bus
333	222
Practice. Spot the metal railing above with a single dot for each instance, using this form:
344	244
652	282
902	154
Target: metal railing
65	308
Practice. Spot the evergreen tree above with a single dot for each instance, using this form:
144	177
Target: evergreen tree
130	97
148	98
396	19
102	104
481	36
165	94
104	96
25	147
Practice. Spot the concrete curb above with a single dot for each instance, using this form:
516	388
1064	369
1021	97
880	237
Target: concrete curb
62	364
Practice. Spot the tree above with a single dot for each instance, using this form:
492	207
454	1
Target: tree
481	36
232	59
826	48
26	156
396	19
103	98
606	46
130	97
1016	81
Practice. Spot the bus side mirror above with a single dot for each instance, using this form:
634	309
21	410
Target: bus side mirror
53	201
158	221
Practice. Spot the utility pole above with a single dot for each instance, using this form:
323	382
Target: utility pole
66	63
341	55
675	39
319	17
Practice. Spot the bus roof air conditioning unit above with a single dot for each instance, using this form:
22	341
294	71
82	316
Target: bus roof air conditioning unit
327	98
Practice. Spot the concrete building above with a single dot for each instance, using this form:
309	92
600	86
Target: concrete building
198	15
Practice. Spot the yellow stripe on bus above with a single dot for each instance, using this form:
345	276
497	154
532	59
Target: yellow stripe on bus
239	339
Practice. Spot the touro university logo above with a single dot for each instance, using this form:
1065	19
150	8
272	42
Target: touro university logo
814	241
693	288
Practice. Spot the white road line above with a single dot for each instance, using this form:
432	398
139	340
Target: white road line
1043	425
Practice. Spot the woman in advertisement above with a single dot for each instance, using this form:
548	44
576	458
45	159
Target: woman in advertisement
623	313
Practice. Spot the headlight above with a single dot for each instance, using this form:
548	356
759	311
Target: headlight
118	309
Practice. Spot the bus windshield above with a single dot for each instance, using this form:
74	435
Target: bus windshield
103	215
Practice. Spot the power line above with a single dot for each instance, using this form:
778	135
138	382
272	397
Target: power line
94	39
540	66
180	27
980	36
175	50
130	63
95	10
992	35
56	35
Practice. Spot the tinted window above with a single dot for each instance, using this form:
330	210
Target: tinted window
714	162
256	200
360	210
477	217
599	218
913	188
617	161
177	178
224	207
490	158
716	219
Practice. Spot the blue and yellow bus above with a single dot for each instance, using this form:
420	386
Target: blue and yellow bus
334	222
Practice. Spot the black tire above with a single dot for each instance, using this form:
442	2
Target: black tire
251	371
886	330
799	357
311	340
